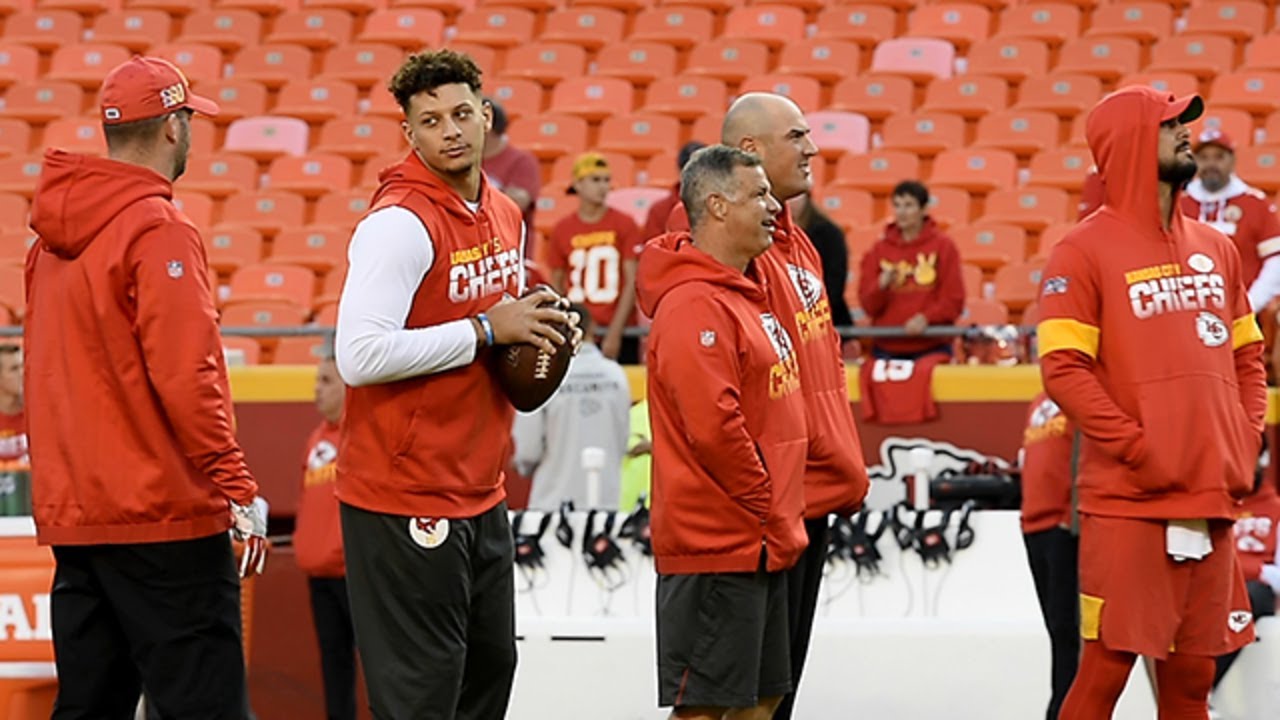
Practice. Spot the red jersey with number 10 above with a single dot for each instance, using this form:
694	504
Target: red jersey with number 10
592	256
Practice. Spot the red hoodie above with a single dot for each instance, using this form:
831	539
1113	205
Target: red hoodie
317	535
1257	519
129	412
931	284
1046	467
729	436
1147	341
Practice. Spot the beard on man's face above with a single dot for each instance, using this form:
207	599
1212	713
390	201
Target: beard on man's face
1179	172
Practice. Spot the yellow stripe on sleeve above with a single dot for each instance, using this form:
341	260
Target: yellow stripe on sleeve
1245	330
1066	334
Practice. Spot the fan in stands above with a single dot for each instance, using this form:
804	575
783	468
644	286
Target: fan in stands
529	375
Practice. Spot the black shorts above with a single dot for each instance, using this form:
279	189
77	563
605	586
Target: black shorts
722	639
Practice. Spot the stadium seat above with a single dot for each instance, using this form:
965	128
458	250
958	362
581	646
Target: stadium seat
43	101
1030	315
373	167
545	62
87	8
1256	92
85	64
622	170
236	98
1106	58
14	208
199	62
326	314
661	170
135	30
731	60
197	206
686	96
974	284
961	24
847	207
969	96
1018	284
307	350
358	138
238	351
340	210
273	65
1049	237
316	100
19	173
863	25
1178	83
484	56
719	7
273	282
1263	53
589	27
315	29
77	135
1259	166
640	62
174	8
977	170
553	205
265	137
772	25
679	27
12	294
1236	123
365	65
1013	59
920	59
628	7
593	98
924	133
1141	21
876	96
266	211
635	201
226	29
805	92
1064	95
980	311
836	133
1063	168
14	243
706	128
824	60
18	64
877	171
263	314
15	138
1270	130
405	28
316	248
639	135
1022	132
44	30
231	247
357	8
1238	20
519	97
549	135
451	9
1201	55
1049	22
949	206
310	175
497	27
220	175
1030	208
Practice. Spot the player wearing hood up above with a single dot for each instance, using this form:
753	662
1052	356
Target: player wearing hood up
1149	346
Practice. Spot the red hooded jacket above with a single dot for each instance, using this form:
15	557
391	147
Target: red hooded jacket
128	408
932	283
728	417
1147	341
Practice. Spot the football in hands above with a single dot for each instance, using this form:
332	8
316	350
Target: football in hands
528	375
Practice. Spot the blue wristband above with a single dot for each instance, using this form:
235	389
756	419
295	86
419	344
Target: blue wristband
487	327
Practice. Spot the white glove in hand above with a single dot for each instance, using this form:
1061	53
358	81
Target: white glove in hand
250	527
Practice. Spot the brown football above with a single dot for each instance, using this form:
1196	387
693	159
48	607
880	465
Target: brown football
530	376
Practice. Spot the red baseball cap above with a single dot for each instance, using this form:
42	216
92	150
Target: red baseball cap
1186	108
1214	136
148	87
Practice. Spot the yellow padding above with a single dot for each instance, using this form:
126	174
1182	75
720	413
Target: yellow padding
1245	330
1090	616
1066	334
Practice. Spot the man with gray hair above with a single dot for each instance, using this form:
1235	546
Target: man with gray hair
729	446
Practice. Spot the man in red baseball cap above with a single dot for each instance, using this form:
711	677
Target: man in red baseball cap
136	472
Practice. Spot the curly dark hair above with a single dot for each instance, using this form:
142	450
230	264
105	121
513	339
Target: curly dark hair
426	71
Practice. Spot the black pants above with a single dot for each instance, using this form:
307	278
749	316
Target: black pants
1054	558
1263	601
804	581
164	617
331	611
433	604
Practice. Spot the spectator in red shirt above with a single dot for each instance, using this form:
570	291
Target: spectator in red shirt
512	170
655	222
593	258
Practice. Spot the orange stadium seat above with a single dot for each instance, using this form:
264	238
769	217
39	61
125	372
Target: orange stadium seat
316	100
822	59
1063	168
772	25
135	30
518	97
273	282
85	64
88	8
639	135
622	170
593	98
15	138
969	96
266	211
340	209
857	242
44	30
1256	92
406	28
864	25
980	311
43	100
961	24
358	138
365	65
316	29
1022	132
13	208
1236	123
197	206
197	61
877	171
263	314
661	170
373	167
18	64
1141	21
875	96
924	133
641	62
1049	22
320	249
326	315
635	201
1259	166
836	133
729	59
310	175
918	58
19	173
78	135
1018	284
1064	95
175	8
1263	53
231	247
553	205
590	27
706	128
484	56
273	65
686	96
545	62
679	27
805	92
948	206
1050	236
357	8
236	98
1031	208
220	175
1174	82
974	284
12	294
451	9
223	28
204	136
14	243
1201	55
331	288
1106	58
720	7
1270	130
1013	59
1076	138
629	7
238	351
549	135
301	350
496	26
1237	20
265	137
847	207
974	169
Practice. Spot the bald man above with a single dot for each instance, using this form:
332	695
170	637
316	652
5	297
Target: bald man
835	478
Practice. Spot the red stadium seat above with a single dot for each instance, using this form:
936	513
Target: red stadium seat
263	314
44	30
1064	95
220	175
15	138
969	96
316	100
359	138
267	136
266	211
1049	22
639	135
231	247
406	28
961	24
589	27
316	29
236	98
686	97
365	65
836	133
1014	59
1106	58
43	101
78	135
593	98
1022	132
1142	21
546	63
310	175
977	170
320	249
918	58
1031	208
273	65
679	27
926	134
340	210
550	135
272	282
640	62
772	25
1201	55
135	30
877	171
731	60
223	28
